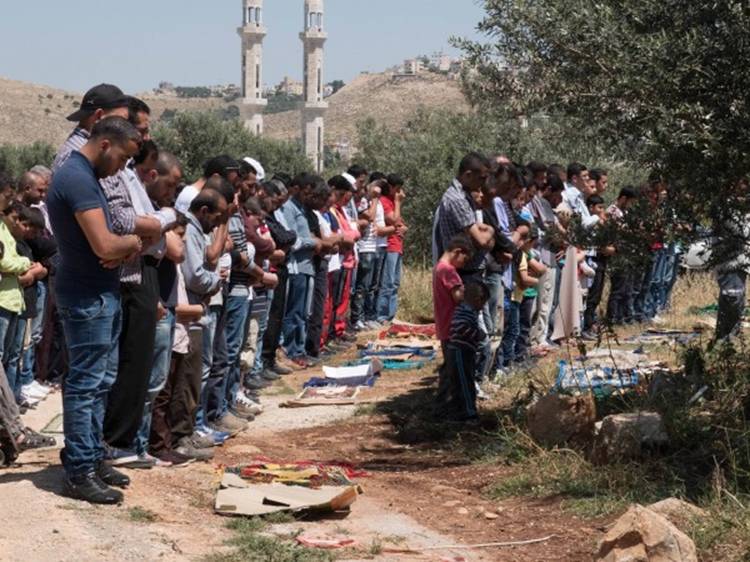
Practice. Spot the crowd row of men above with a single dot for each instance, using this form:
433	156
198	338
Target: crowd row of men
508	284
164	308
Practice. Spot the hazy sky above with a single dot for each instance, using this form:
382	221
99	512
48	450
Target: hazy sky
73	44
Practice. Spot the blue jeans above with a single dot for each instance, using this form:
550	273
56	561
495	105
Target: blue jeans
295	318
512	329
159	372
28	361
13	349
262	327
237	311
209	332
92	331
388	297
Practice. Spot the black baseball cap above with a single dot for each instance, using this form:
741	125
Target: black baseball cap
103	96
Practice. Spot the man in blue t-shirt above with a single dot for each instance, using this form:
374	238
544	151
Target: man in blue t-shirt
88	299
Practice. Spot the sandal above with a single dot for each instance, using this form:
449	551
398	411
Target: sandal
34	440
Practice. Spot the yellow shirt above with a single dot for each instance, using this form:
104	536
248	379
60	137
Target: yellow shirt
11	266
519	288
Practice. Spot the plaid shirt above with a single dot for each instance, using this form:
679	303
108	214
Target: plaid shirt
75	141
456	213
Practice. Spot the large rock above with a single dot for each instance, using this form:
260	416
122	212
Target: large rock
627	436
557	420
642	535
680	513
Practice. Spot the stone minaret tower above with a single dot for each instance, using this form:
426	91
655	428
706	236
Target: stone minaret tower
313	110
252	34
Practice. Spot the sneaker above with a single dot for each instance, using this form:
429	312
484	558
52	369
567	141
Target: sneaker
91	489
311	361
481	395
228	424
174	458
360	326
204	440
373	325
112	477
255	383
34	392
29	401
246	404
160	463
279	369
186	449
41	387
351	338
128	459
268	375
217	437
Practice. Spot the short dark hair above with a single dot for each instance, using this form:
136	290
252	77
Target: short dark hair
575	169
356	170
136	106
594	200
536	167
34	217
180	219
375	176
6	181
628	192
166	163
220	165
207	197
323	190
303	181
462	242
555	169
283	177
476	289
473	161
16	207
116	130
221	185
148	150
394	180
597	173
270	188
340	183
554	183
252	205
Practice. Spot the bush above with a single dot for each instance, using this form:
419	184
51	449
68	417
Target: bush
17	159
195	137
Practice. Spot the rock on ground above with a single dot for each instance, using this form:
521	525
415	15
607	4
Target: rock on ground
556	420
641	535
626	436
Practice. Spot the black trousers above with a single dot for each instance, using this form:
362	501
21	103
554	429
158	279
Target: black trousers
595	293
731	303
315	320
127	397
176	405
272	337
620	305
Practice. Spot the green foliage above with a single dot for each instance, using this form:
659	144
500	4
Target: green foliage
195	137
337	85
17	159
280	102
655	80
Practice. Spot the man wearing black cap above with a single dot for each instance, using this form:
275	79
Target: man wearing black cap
104	100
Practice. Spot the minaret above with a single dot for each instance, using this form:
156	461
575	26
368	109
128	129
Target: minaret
252	34
314	107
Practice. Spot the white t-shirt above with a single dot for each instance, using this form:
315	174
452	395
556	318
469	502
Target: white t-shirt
188	193
181	342
380	223
334	260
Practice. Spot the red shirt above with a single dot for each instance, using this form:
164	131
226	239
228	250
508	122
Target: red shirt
445	278
395	241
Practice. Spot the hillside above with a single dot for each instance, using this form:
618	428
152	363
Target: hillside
389	99
32	112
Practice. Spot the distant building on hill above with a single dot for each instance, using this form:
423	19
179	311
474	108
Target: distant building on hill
290	87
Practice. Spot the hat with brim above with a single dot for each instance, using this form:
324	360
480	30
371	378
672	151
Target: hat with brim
103	96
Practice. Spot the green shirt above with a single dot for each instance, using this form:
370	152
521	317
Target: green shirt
11	266
531	292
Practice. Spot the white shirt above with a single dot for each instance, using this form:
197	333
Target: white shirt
334	260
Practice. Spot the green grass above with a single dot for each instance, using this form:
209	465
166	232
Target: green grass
252	544
139	514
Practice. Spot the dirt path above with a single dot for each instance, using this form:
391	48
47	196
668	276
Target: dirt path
42	525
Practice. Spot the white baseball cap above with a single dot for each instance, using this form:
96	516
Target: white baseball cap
259	171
